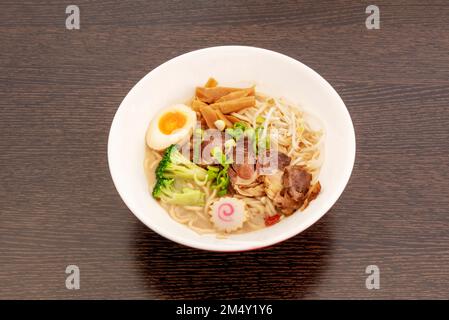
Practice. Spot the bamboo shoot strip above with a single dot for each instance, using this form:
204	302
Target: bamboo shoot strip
221	116
233	119
237	94
235	105
210	95
211	83
197	104
209	115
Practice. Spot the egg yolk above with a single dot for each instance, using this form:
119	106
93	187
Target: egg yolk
171	121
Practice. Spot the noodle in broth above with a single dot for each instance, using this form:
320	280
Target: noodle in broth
295	138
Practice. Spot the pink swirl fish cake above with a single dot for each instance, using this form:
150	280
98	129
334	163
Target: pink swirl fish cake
228	214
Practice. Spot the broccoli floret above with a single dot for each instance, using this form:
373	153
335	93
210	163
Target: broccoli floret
161	185
175	165
166	192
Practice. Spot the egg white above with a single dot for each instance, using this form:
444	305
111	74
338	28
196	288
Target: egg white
158	140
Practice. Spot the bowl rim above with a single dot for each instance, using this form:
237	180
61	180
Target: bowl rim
243	246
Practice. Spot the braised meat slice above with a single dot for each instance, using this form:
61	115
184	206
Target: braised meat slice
244	160
296	182
232	175
283	160
311	194
244	170
285	204
242	173
296	190
273	161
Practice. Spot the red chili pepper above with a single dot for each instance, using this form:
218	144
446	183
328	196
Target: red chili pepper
269	221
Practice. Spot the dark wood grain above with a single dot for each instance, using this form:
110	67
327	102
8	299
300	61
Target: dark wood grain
60	90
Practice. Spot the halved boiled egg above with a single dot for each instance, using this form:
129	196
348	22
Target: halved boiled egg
171	125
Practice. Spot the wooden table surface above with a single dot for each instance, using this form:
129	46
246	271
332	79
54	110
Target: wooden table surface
60	89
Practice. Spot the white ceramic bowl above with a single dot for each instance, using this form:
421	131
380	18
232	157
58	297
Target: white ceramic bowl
174	82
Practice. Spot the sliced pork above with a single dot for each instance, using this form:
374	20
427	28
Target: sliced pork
296	181
296	190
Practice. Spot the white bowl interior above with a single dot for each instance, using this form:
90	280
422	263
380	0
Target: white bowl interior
272	73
